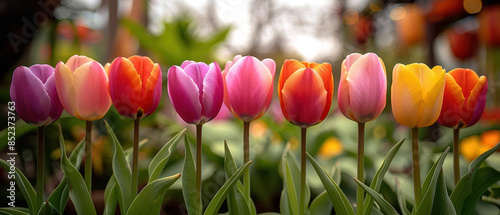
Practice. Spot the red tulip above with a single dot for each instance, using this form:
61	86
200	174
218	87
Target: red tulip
489	25
464	98
463	44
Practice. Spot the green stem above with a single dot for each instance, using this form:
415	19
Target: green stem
88	155
361	164
416	166
40	167
135	160
302	204
456	158
246	158
198	161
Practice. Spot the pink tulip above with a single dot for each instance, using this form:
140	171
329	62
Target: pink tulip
82	86
362	87
196	91
34	92
248	86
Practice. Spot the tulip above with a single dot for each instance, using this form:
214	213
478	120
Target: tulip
361	98
135	88
248	86
417	96
248	90
410	27
135	85
33	91
489	25
196	91
463	44
463	105
82	86
305	91
362	87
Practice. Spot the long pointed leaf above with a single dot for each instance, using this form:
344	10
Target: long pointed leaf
121	171
378	178
338	198
161	158
23	184
236	202
464	189
442	203
401	198
79	193
193	202
384	205
14	211
214	205
429	186
150	199
321	204
293	200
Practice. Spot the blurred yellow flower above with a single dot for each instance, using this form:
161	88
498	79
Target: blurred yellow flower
473	146
332	147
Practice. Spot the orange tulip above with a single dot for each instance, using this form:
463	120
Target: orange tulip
305	91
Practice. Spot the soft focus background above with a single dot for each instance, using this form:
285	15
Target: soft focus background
450	33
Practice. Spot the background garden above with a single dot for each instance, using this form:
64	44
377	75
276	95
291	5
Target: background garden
450	33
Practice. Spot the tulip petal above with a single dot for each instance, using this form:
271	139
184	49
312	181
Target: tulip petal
66	89
304	98
55	104
184	95
76	61
343	95
350	59
453	102
186	62
28	92
474	108
433	98
368	87
406	96
288	68
248	84
197	73
42	71
125	87
271	65
466	79
325	72
91	86
213	92
152	94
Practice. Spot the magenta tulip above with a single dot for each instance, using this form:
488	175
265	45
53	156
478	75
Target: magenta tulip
363	87
34	92
248	86
196	91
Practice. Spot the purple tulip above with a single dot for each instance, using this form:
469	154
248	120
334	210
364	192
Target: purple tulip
34	92
196	91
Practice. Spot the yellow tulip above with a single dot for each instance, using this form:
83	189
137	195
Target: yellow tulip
417	94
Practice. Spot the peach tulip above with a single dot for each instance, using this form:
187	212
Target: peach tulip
248	86
82	86
135	85
464	98
417	94
305	91
363	87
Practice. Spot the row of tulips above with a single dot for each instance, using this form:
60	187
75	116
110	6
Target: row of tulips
85	89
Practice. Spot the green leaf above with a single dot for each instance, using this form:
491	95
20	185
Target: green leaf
14	211
236	202
23	184
193	202
321	204
60	196
293	200
214	205
79	193
442	203
337	197
337	173
48	208
429	186
150	199
401	198
121	171
289	163
161	158
378	178
465	189
384	205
